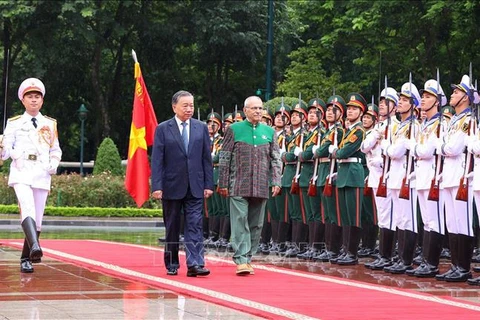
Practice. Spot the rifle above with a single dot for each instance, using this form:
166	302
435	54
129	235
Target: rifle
295	188
382	183
367	191
405	189
434	192
312	184
327	189
462	193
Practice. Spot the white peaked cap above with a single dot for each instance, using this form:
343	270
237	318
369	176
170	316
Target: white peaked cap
405	91
29	85
434	88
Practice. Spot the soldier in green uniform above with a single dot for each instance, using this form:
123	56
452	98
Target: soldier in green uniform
350	178
212	204
311	204
329	203
266	235
280	220
294	207
369	208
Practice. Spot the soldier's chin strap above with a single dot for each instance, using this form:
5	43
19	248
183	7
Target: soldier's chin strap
433	105
459	100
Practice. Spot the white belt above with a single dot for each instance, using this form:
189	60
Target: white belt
350	160
31	157
326	159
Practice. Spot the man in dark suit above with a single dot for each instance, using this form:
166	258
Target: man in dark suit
182	176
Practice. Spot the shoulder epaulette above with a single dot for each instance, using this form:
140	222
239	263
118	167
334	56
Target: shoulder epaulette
50	118
14	118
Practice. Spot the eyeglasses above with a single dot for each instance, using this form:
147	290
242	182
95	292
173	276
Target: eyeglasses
255	108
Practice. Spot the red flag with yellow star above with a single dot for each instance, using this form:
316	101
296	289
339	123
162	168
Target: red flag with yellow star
142	132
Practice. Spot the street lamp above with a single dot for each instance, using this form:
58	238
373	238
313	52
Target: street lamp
82	115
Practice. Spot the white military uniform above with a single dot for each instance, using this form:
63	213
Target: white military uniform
35	154
373	154
458	214
432	211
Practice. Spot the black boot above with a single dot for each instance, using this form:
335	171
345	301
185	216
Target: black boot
25	264
322	256
30	229
407	253
294	250
335	242
452	244
353	241
464	256
282	237
308	255
425	248
385	250
401	245
429	268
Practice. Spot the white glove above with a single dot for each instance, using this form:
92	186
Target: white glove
411	175
297	151
52	166
16	154
470	146
410	144
331	149
314	148
213	154
384	144
439	148
469	175
375	163
334	176
282	151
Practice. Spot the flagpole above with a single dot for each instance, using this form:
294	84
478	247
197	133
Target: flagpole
134	56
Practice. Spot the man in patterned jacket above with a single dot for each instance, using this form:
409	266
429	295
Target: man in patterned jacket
249	157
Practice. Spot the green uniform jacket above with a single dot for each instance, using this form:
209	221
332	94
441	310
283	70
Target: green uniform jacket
306	157
216	146
322	152
290	159
351	174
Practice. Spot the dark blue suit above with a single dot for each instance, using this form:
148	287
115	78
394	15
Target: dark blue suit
182	175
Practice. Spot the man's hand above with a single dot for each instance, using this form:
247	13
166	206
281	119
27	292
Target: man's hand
276	191
157	195
53	165
223	192
207	193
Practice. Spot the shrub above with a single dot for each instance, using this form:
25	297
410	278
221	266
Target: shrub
108	159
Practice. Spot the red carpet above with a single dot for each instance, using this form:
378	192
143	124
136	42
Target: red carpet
274	293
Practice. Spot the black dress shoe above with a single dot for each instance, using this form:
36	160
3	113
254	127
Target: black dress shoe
459	275
426	270
474	282
348	260
172	271
400	268
476	269
25	266
441	277
197	271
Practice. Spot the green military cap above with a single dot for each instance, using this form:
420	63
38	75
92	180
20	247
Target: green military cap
215	117
284	110
228	118
239	116
448	111
372	109
317	103
337	101
300	108
356	100
267	114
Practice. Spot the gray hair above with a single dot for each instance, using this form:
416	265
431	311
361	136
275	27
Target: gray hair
247	101
179	94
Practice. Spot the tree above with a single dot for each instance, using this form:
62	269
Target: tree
108	159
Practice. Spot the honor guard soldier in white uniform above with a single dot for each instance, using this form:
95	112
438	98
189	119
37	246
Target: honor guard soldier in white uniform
31	141
423	148
405	206
458	213
379	168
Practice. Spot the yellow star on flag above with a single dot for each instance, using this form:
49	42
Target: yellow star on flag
137	140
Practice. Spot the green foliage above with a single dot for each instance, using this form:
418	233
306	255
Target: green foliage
104	190
90	212
275	102
108	159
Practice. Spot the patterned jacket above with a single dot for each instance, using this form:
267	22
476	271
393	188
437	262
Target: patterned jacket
249	158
